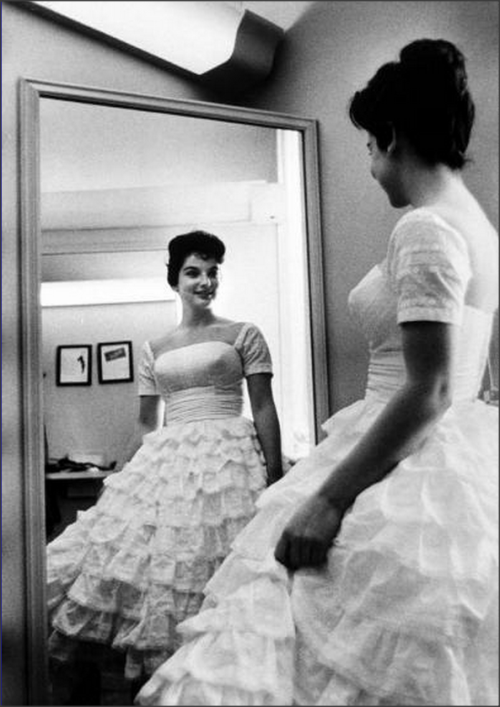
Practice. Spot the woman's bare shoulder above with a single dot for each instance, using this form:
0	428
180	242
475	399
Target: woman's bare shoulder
161	343
222	321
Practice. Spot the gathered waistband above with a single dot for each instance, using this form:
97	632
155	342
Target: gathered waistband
206	403
387	374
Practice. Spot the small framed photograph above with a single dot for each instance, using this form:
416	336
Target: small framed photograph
74	364
114	362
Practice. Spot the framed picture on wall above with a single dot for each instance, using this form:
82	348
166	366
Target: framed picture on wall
74	364
114	362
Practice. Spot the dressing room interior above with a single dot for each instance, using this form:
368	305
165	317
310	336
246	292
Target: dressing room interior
114	141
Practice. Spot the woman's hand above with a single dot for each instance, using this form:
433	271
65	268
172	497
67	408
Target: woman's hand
309	534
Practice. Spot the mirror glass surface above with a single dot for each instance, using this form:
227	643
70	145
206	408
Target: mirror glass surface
107	179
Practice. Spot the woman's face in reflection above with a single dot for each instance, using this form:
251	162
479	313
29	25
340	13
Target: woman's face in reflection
198	281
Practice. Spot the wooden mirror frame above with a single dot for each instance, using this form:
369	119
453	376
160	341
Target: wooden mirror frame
31	91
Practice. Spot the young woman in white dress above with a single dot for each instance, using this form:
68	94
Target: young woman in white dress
135	565
369	576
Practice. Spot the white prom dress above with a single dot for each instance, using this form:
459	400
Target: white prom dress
406	610
135	564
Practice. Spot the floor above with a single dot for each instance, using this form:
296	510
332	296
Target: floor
88	684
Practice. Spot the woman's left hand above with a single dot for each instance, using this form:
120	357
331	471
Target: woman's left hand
309	534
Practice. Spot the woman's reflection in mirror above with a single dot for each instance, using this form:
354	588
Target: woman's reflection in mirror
135	564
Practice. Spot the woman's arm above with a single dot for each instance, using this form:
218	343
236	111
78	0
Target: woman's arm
403	425
149	419
266	423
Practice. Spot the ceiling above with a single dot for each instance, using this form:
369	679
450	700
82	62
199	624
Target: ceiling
283	13
230	44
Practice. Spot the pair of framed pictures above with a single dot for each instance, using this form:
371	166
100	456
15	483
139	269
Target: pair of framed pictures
114	363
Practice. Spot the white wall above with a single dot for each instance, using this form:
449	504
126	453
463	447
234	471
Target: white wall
90	147
332	51
99	417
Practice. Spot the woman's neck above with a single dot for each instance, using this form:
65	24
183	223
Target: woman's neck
430	186
195	320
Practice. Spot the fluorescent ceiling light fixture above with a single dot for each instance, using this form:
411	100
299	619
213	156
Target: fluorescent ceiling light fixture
88	292
196	36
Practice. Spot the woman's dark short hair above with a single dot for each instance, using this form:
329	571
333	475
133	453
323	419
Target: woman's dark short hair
181	247
425	96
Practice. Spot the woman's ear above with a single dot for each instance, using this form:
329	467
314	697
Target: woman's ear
393	142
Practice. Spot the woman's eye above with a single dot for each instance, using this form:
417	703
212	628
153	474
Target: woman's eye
212	275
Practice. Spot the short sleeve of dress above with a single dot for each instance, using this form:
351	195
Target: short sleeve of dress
429	268
254	351
147	381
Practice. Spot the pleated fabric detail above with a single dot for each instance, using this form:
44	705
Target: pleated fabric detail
135	565
404	613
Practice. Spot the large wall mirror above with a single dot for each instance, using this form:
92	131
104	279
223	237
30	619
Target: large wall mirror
107	180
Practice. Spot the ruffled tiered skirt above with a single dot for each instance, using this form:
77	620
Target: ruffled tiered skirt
404	613
135	564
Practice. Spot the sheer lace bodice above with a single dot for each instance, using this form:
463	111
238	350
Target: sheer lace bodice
424	277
